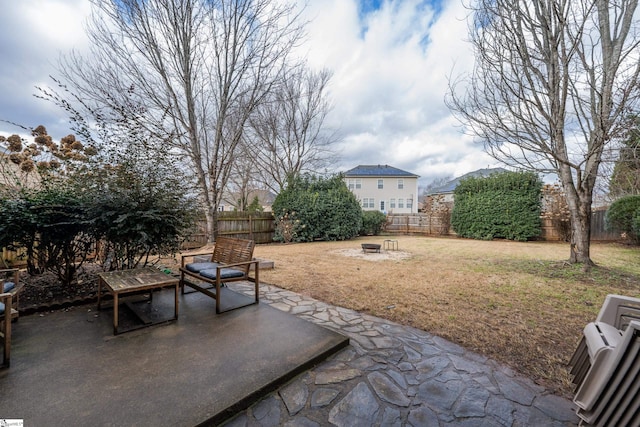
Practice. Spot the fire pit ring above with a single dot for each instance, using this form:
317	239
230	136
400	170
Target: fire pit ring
370	247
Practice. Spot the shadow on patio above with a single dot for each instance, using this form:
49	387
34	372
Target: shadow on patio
67	367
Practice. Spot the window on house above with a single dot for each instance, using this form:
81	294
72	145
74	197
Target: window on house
358	184
382	205
409	203
368	203
380	184
392	204
400	184
351	184
400	203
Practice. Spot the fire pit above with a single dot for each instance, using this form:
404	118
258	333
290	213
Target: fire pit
370	247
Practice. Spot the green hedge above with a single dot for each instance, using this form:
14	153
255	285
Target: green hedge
373	223
624	215
320	208
505	205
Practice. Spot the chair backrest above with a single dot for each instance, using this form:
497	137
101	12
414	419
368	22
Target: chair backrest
229	250
619	310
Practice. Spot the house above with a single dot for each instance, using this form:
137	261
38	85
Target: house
231	200
383	188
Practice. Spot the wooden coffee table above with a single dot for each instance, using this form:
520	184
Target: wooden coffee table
134	281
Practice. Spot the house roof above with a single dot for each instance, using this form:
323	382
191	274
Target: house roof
378	170
450	186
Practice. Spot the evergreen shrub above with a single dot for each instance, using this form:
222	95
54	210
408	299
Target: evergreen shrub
505	205
324	209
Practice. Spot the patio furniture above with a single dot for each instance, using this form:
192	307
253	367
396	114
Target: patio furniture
133	281
5	327
606	365
10	280
231	260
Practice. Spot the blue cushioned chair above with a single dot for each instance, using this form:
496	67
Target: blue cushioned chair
231	260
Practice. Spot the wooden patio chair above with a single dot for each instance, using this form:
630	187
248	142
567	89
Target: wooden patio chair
10	280
5	327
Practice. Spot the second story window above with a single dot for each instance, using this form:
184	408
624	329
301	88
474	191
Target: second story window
380	184
354	184
400	184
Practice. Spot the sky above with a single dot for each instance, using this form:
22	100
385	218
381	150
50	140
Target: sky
391	61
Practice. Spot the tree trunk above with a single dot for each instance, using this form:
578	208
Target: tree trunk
581	235
212	225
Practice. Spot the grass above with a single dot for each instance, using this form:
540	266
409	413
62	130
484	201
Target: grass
515	302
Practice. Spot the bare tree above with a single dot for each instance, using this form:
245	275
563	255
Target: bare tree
552	84
196	70
288	129
243	181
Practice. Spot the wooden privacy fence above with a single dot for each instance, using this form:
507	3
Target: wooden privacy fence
421	223
435	225
257	226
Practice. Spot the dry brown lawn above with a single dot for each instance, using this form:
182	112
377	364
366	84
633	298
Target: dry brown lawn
514	302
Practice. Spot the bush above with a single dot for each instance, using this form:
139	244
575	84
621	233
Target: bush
623	215
505	205
373	223
324	208
52	225
140	208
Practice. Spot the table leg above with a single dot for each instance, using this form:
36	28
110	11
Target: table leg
176	302
115	313
99	291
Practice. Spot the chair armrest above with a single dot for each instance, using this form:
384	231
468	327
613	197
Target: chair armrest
192	254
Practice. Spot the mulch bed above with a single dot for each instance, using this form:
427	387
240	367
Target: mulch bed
44	292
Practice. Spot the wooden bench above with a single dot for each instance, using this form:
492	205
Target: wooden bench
605	363
231	260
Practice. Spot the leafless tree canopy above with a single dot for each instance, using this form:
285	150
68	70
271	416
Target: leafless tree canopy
193	70
552	84
288	136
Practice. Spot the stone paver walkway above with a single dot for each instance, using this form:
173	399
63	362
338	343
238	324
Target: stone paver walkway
393	375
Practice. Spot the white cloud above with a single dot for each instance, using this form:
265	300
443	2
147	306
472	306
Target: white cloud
390	69
35	32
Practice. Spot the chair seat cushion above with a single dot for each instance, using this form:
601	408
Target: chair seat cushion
197	267
225	273
8	286
1	308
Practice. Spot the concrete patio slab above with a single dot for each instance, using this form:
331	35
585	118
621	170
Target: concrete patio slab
67	367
